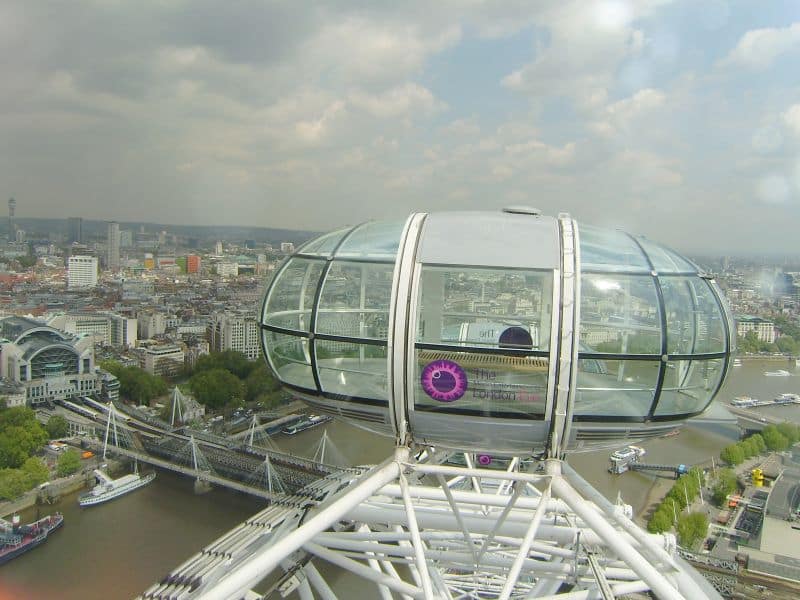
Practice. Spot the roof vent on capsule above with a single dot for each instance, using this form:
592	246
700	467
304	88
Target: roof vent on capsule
522	210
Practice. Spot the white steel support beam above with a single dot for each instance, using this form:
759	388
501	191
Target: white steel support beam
419	549
457	514
612	538
363	570
250	572
530	534
500	520
318	581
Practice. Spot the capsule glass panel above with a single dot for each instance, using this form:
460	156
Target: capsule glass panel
289	357
611	251
324	244
615	388
620	314
291	296
352	370
485	308
689	386
694	317
355	300
665	260
373	241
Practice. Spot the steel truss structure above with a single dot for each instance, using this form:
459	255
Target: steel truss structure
415	527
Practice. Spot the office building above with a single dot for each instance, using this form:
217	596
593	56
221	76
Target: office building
112	247
765	330
238	332
75	230
126	238
162	360
81	272
193	263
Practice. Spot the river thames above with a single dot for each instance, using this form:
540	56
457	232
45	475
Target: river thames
118	549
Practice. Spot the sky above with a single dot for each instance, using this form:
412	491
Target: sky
678	120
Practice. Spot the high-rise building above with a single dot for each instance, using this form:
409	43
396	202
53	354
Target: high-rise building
126	238
287	247
12	207
75	230
238	332
81	272
112	246
193	263
218	248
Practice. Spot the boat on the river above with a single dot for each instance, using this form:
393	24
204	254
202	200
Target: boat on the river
628	453
307	423
16	539
737	362
778	373
108	489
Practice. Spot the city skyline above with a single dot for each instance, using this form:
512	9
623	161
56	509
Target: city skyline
677	120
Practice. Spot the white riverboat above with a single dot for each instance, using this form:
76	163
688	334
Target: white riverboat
778	373
108	489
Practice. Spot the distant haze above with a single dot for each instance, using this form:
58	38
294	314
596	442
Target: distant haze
679	120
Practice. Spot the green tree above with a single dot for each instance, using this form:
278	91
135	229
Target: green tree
36	471
726	484
57	427
732	455
230	360
20	436
68	463
759	442
789	431
13	482
692	528
260	382
135	383
661	520
774	440
217	388
787	344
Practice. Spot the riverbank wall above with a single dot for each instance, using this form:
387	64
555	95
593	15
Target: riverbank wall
53	490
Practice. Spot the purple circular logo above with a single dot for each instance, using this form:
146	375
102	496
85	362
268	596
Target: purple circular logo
444	380
484	460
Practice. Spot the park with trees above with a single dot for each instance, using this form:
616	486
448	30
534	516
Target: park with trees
134	383
691	527
224	380
21	435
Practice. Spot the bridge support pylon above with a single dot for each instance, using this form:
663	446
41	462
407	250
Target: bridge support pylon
201	487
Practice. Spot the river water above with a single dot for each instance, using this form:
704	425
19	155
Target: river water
117	550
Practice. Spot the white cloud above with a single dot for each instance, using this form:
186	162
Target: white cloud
315	129
758	49
405	100
621	115
357	49
792	118
773	189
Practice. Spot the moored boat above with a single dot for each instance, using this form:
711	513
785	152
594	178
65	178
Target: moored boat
307	423
778	373
108	489
16	539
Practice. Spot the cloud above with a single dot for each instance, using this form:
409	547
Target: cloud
759	48
792	119
404	100
315	129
